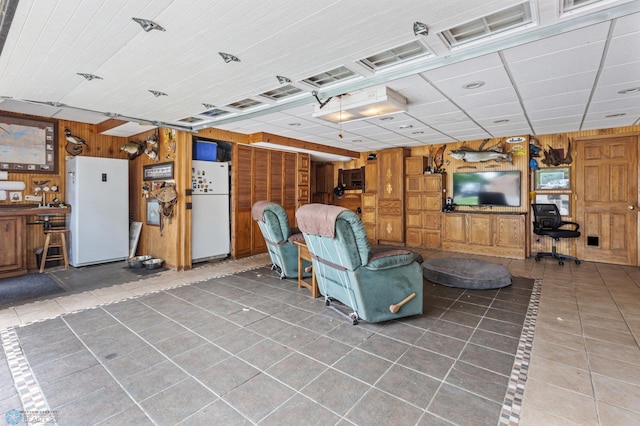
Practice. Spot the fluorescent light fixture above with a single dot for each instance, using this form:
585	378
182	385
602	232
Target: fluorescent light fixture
372	102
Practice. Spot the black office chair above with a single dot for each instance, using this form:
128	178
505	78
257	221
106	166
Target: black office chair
547	221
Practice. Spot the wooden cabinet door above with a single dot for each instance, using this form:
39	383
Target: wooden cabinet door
479	230
371	176
12	248
368	201
454	226
390	229
391	174
509	231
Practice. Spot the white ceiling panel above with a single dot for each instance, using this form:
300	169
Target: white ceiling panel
624	49
564	84
553	65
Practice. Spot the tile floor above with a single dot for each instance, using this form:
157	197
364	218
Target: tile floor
145	353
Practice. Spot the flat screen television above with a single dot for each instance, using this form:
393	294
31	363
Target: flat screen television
498	188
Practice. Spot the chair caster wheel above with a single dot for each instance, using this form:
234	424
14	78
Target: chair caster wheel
537	259
577	262
561	263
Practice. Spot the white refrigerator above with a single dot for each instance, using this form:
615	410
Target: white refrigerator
210	227
98	191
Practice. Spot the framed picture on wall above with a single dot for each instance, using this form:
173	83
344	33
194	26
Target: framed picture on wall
153	212
553	178
29	145
560	200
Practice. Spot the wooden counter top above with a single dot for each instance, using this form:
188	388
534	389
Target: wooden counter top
29	211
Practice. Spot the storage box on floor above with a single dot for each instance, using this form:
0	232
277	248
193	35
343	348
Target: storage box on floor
205	151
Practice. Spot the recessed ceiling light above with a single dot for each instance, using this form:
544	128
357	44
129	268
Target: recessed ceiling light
419	132
228	57
629	91
501	121
386	118
622	114
356	140
148	25
405	126
473	85
295	124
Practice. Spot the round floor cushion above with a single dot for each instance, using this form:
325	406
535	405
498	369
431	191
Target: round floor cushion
465	273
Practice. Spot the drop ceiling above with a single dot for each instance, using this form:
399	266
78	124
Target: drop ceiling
562	72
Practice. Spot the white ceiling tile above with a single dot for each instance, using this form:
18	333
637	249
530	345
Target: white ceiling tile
627	24
565	84
558	64
480	100
554	44
624	50
557	101
463	69
621	74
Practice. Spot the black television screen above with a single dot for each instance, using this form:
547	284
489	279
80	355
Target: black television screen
487	188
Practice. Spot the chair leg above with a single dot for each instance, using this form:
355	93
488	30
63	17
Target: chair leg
45	250
554	253
65	257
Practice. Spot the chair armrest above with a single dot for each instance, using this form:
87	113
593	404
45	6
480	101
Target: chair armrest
574	224
296	237
390	259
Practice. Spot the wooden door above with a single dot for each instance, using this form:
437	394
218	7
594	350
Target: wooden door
607	200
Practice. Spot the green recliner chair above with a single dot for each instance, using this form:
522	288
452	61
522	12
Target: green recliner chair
279	236
376	287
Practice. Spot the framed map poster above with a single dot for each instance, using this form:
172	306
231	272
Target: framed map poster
28	145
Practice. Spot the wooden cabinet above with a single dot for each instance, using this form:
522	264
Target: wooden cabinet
369	214
260	174
12	253
324	178
390	220
415	165
424	195
370	201
500	235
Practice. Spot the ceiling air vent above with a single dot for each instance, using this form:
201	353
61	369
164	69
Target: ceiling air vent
215	112
281	92
330	77
496	23
397	55
245	103
571	5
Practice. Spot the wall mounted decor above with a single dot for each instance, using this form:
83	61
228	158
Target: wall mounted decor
159	171
28	145
153	212
553	178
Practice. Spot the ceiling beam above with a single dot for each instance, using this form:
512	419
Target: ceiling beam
298	144
109	124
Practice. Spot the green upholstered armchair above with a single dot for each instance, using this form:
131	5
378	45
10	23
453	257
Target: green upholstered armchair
279	236
372	286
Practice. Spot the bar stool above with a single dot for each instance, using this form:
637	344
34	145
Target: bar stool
60	241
